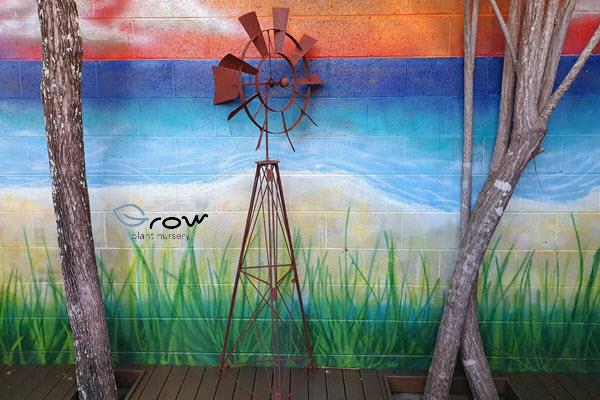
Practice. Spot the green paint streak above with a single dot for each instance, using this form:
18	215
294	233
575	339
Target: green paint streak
170	305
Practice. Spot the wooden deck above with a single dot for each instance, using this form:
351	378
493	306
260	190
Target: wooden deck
180	382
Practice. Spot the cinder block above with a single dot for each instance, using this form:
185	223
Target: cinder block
364	230
430	231
337	36
136	79
166	117
9	75
587	226
113	9
113	39
21	117
406	116
173	38
20	221
423	77
581	28
435	6
210	8
316	192
193	78
409	36
370	7
316	7
127	155
230	37
527	231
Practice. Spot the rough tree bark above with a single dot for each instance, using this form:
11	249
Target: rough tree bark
61	100
473	357
543	30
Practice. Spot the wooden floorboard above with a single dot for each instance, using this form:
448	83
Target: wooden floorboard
554	387
173	383
56	374
245	384
588	383
573	387
299	384
57	382
227	385
372	385
353	384
208	386
335	384
262	384
63	386
317	388
191	383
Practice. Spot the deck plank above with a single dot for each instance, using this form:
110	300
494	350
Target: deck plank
65	385
371	383
589	384
299	384
573	387
554	387
335	385
208	386
536	387
262	384
48	383
191	383
148	371
173	383
12	376
245	384
226	386
317	388
353	384
31	382
156	382
520	388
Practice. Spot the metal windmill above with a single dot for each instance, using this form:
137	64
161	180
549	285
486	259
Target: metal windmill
274	91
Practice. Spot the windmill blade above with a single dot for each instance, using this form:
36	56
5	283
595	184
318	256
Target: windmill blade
286	131
232	62
226	84
280	20
240	107
306	43
252	26
310	80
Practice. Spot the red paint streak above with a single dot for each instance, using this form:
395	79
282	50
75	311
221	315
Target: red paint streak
189	39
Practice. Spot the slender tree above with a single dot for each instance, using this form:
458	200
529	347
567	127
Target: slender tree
61	100
473	357
527	101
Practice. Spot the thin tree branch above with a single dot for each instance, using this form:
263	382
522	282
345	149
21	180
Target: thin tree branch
508	89
575	70
545	41
507	38
558	37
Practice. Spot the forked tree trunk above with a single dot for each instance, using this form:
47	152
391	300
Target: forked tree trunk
473	357
61	100
524	121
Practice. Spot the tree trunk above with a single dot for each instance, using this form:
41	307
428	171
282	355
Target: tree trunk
490	206
474	361
542	30
61	100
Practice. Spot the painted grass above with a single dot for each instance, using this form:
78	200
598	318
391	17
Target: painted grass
165	306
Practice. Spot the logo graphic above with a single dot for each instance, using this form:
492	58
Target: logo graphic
129	219
132	215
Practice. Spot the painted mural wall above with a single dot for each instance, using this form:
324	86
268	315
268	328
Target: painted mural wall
372	193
